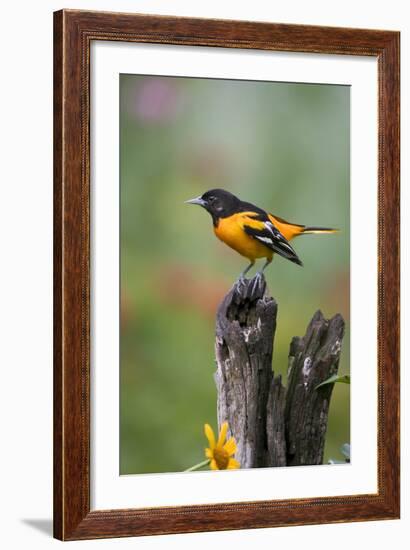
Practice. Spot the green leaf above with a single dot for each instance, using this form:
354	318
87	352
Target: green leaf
345	379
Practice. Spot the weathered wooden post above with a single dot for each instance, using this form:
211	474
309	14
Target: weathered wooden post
273	426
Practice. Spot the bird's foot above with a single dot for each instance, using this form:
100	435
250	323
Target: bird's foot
241	283
258	285
250	289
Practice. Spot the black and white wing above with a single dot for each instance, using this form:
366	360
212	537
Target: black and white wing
266	233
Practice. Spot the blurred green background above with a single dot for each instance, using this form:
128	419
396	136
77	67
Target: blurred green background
282	146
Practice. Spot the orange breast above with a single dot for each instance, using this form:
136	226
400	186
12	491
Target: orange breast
230	231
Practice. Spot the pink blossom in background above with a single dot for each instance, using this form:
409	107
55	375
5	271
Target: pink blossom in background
156	100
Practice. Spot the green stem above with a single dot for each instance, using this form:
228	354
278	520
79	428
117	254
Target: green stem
198	466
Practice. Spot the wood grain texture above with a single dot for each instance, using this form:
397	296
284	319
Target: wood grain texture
312	359
58	493
245	329
73	33
273	425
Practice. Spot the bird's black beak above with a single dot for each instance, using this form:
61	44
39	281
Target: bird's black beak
198	200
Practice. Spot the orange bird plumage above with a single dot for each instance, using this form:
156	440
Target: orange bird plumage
251	231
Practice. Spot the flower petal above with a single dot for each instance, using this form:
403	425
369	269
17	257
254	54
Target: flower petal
210	435
230	446
209	453
213	465
222	434
233	464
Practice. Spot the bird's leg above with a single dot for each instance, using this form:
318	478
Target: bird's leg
265	265
245	271
240	283
259	276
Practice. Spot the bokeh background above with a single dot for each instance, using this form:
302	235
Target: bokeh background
283	146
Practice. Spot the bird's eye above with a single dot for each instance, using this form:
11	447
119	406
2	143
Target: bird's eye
211	199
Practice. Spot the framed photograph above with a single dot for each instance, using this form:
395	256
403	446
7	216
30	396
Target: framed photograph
248	380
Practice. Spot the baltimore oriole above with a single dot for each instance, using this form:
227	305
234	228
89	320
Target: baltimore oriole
250	230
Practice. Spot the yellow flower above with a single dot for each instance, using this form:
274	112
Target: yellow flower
219	452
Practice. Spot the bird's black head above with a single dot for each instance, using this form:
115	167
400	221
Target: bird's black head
218	202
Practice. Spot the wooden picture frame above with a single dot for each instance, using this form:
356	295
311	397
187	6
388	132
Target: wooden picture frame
74	32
